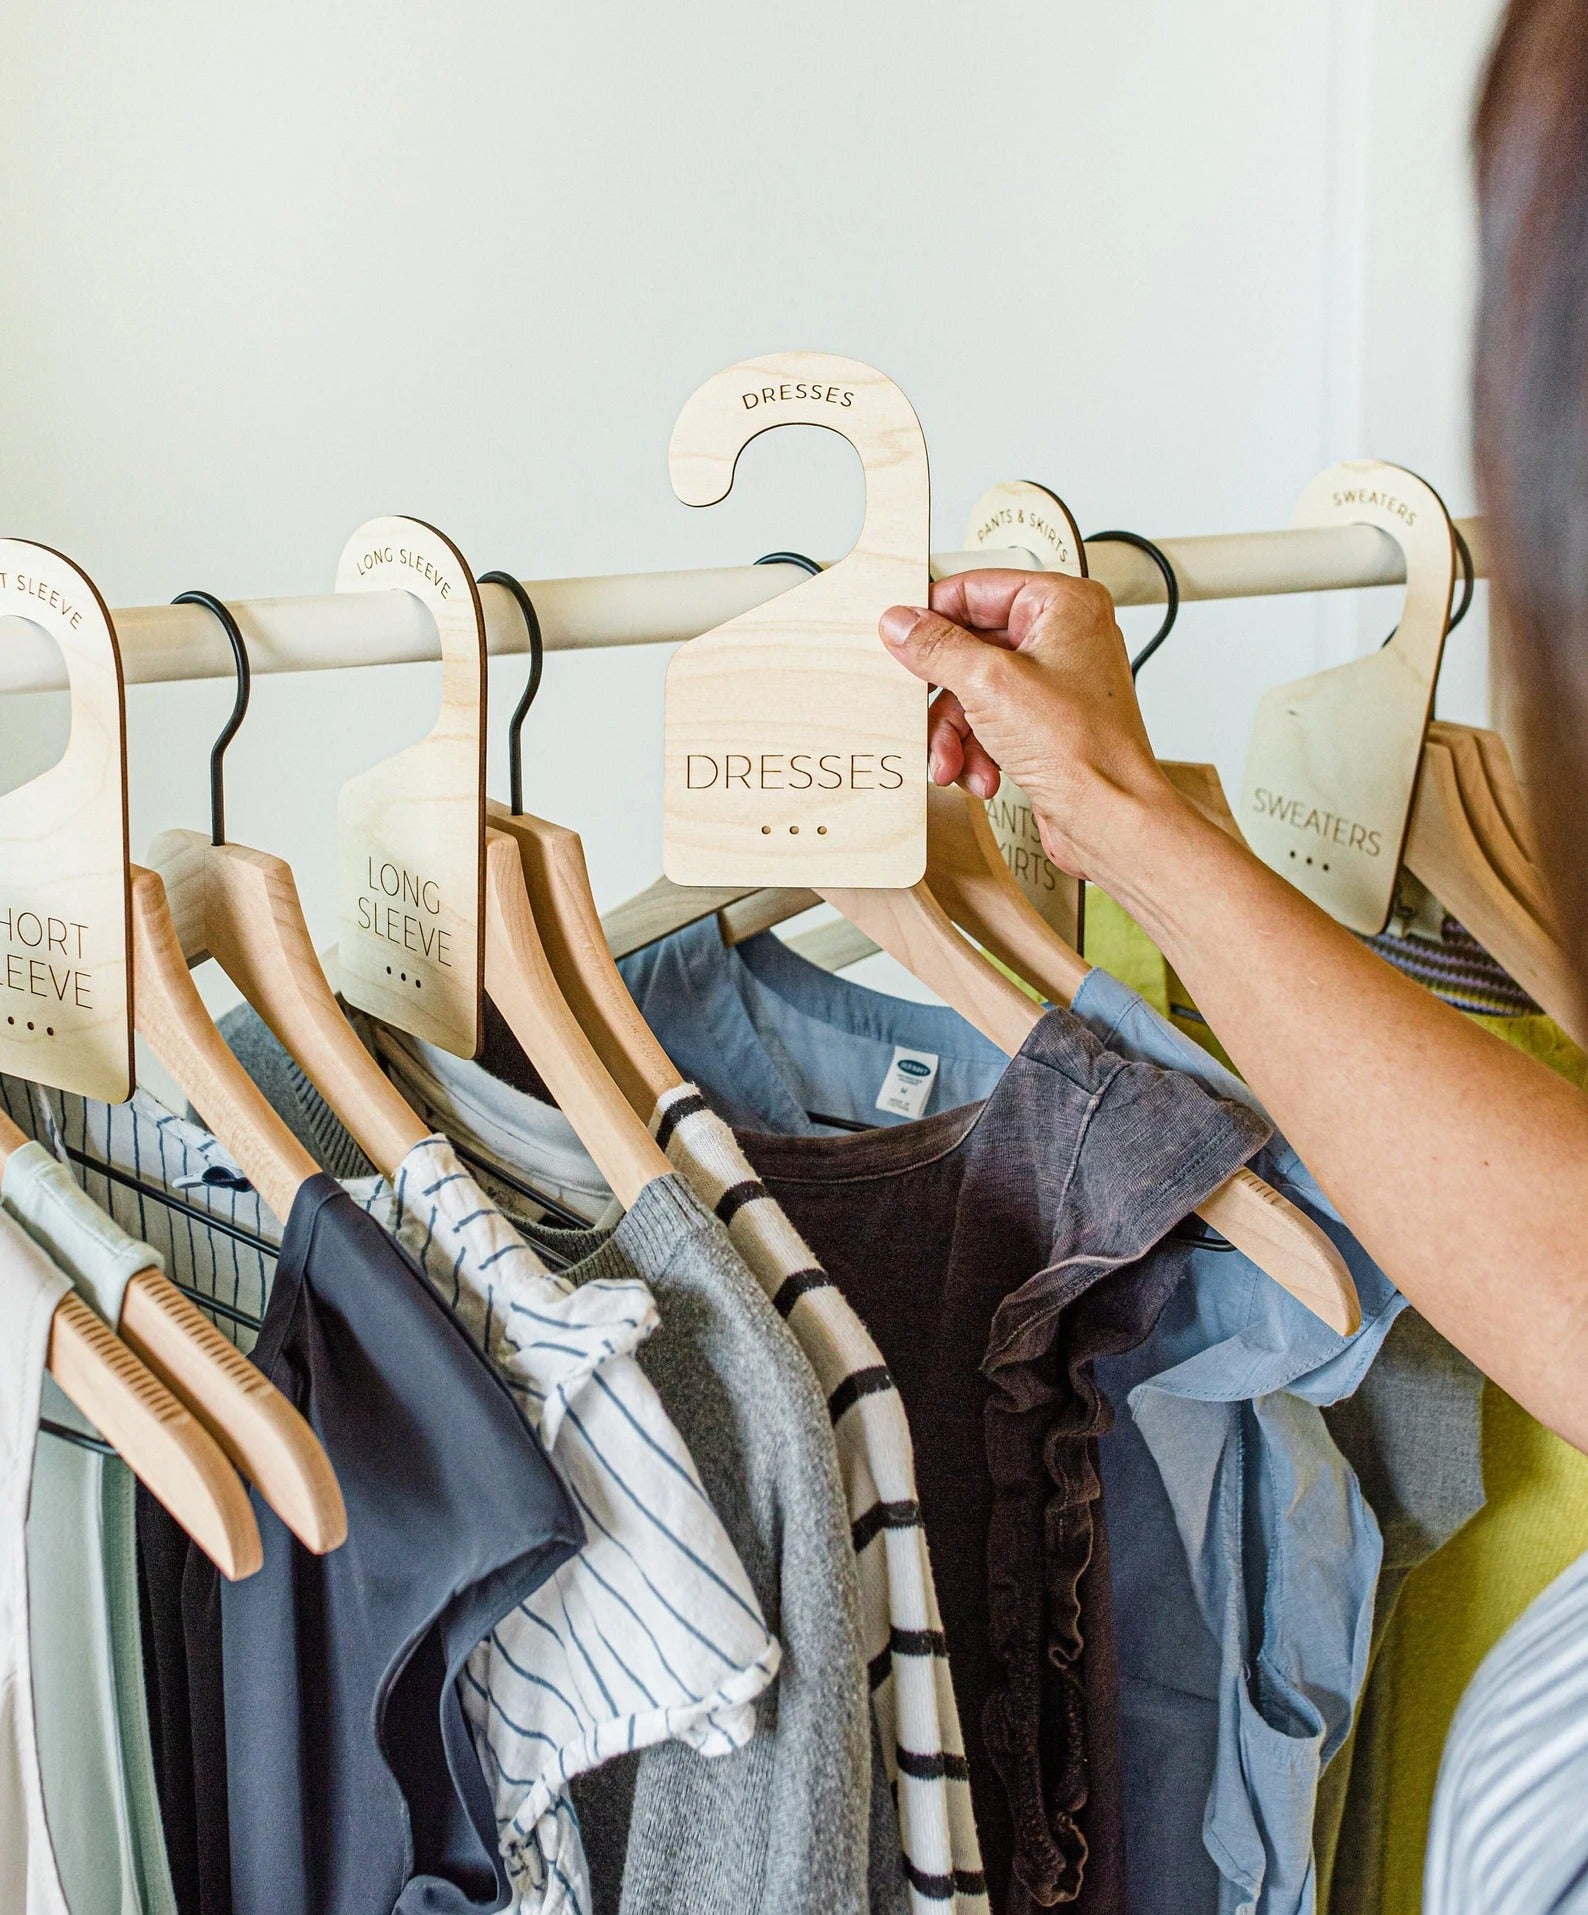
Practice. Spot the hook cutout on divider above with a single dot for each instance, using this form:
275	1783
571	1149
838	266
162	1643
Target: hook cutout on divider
411	830
1332	767
795	746
65	886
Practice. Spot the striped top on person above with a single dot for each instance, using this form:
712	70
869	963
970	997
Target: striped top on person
1509	1834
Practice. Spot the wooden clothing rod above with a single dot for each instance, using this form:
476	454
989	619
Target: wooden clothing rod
162	643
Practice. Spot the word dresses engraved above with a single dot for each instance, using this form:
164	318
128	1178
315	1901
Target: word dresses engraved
795	746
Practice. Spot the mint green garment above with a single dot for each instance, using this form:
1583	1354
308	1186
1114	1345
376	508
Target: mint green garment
95	1751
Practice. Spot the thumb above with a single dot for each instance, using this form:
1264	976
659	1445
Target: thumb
934	647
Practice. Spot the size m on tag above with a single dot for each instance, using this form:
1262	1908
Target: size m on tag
907	1087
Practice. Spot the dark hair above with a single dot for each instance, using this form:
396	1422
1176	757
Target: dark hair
1531	413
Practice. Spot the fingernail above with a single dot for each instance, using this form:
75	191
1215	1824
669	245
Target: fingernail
898	621
979	783
939	768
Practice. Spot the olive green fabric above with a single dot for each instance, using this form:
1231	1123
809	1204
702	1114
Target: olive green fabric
1116	943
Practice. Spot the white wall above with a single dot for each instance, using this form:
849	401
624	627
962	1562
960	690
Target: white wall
272	270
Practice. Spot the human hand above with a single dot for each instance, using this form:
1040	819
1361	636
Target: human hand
1036	684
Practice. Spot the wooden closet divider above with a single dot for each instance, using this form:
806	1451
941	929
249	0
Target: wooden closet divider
411	830
794	744
65	910
1020	513
1334	758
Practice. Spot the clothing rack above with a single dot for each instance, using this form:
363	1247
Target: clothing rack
162	643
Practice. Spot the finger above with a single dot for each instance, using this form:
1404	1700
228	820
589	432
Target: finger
981	776
980	600
934	648
947	729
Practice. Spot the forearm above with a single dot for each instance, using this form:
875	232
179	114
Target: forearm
1461	1165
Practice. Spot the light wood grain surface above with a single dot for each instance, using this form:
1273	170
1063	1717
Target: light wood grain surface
1333	762
411	830
65	976
795	746
1018	512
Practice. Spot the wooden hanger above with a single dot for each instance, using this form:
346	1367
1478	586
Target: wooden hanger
105	929
241	907
1475	760
557	881
175	1459
970	884
1505	786
793	743
516	970
1444	853
524	989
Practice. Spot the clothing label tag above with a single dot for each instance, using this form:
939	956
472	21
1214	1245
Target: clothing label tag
908	1084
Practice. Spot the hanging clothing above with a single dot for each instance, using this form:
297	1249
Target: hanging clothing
786	1824
914	1708
100	1792
653	1630
915	1715
1508	1835
1457	968
921	1805
753	1026
30	1289
1479	1505
973	1245
338	1695
1229	1495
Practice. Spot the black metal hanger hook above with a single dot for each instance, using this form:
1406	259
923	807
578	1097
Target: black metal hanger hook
245	682
1171	588
790	558
537	662
1469	579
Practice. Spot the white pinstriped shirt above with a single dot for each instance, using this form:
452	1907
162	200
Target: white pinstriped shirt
652	1631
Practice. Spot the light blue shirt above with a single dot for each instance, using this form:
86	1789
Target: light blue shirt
778	1044
1245	1570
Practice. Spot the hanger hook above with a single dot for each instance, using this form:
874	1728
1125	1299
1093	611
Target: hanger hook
245	681
1468	583
1171	588
537	661
790	558
1468	579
